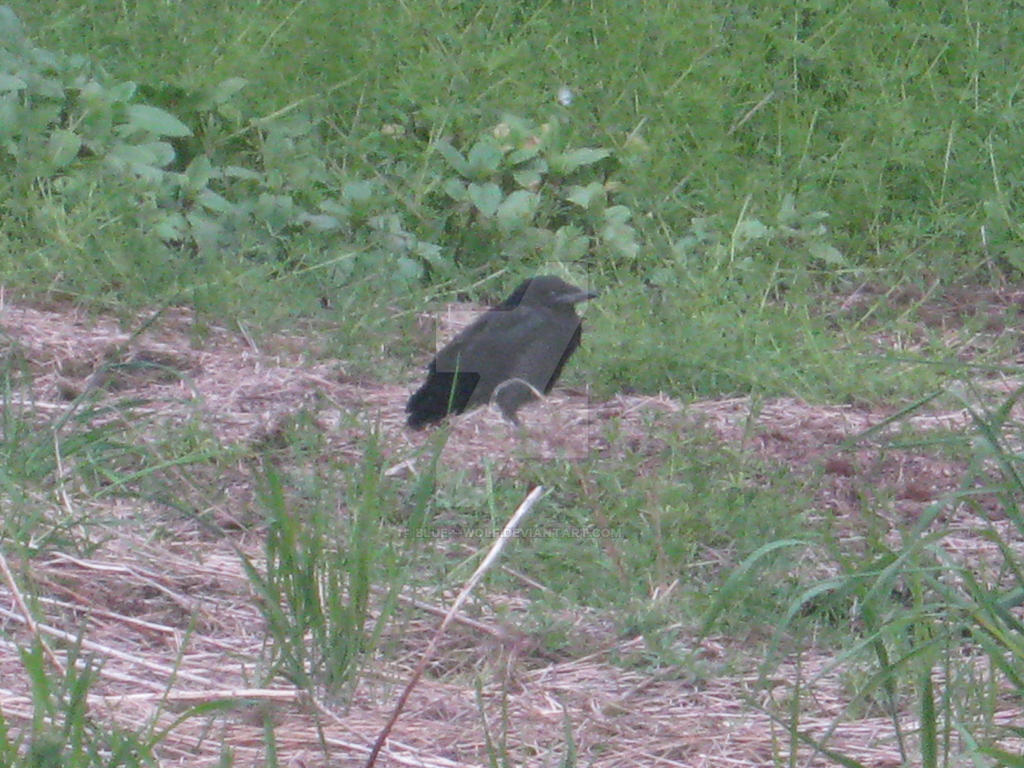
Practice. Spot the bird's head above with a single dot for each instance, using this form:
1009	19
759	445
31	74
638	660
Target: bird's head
546	291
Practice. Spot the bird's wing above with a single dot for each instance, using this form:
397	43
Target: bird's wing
525	342
528	342
542	354
487	345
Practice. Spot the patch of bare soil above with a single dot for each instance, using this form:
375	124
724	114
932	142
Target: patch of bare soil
169	612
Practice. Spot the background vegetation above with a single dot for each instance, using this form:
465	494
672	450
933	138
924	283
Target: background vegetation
753	164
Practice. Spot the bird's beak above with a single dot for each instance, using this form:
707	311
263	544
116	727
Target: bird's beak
576	298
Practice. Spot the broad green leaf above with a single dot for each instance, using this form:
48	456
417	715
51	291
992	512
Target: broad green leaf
827	253
276	210
570	243
211	201
622	240
162	152
386	222
63	147
532	241
617	234
456	190
517	209
454	157
238	172
150	173
225	89
10	112
357	191
752	229
11	83
144	160
171	227
787	210
529	179
121	154
685	247
484	158
50	87
338	210
205	231
319	221
38	118
431	252
91	92
526	152
120	93
409	269
199	172
143	117
567	162
618	214
11	30
486	197
664	277
584	197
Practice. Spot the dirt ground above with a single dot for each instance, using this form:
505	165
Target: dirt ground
174	622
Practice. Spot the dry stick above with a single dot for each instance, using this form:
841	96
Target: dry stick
61	489
751	112
27	617
90	645
523	509
479	626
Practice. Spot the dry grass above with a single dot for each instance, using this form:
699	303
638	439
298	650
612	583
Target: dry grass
168	610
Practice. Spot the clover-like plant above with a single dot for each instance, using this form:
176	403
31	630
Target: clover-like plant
522	190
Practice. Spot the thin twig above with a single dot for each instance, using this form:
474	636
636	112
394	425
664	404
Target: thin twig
492	556
141	661
751	112
29	620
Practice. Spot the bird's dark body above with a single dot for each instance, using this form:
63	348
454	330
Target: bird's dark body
525	340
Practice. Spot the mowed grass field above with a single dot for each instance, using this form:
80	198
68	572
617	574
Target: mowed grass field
781	520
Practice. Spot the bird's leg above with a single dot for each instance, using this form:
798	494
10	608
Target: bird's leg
513	394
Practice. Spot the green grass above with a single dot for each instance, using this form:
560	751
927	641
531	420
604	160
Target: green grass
891	119
691	510
763	158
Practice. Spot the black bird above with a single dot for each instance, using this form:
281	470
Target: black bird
512	353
